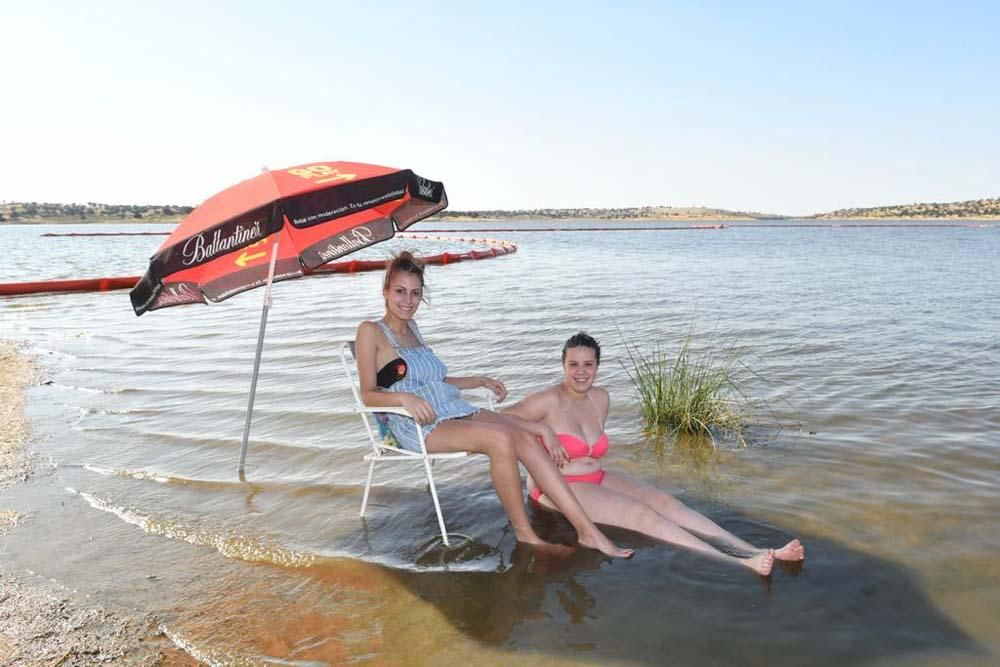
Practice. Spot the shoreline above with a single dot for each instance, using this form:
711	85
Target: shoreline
16	373
824	222
41	622
32	223
448	219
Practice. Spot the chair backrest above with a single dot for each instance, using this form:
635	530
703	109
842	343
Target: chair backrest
347	360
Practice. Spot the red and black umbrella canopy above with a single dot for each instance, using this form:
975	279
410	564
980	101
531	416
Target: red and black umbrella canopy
313	213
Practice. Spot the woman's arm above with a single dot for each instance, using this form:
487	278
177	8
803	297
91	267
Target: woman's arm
532	413
546	436
365	352
534	407
474	381
603	402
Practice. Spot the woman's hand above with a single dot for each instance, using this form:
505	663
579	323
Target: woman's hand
419	409
554	448
496	386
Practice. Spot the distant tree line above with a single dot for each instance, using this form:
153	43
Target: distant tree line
96	212
40	211
975	208
629	213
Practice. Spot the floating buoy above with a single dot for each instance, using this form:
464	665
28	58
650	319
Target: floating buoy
349	266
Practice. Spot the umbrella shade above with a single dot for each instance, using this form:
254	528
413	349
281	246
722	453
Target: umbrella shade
313	213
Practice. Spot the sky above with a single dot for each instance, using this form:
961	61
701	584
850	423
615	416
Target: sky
777	107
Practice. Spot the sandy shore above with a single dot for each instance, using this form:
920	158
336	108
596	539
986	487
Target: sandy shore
16	372
41	623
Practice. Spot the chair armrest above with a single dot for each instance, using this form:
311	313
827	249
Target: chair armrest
483	394
479	392
394	410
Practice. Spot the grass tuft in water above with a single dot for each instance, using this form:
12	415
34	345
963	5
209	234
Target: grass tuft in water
693	391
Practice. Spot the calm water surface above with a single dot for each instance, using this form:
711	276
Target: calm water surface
876	348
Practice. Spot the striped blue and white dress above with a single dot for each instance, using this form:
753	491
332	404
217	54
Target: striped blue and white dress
425	375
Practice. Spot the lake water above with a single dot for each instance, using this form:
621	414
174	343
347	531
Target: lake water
876	349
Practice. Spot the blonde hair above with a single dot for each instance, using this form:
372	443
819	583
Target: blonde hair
406	262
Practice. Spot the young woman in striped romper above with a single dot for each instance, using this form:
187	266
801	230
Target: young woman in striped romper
396	368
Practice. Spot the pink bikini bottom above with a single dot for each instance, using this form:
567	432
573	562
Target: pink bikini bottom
595	477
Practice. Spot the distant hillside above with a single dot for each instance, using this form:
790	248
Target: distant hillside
35	212
976	208
634	213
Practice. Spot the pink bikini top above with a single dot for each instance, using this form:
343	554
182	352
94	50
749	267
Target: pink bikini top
577	448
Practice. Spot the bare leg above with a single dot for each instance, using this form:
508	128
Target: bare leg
494	442
504	445
673	509
607	506
548	477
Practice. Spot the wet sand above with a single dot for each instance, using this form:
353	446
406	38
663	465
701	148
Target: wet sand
40	621
16	372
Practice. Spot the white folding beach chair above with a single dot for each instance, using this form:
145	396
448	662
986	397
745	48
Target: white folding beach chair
384	446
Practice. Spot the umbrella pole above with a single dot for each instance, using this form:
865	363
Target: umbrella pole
256	361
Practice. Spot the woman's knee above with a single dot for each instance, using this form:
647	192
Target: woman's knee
527	445
645	517
502	446
669	505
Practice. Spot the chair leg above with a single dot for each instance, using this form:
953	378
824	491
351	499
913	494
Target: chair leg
368	485
437	505
433	461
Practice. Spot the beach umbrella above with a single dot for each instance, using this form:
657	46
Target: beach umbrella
278	225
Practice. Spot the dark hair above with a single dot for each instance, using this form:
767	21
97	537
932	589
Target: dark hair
582	340
406	262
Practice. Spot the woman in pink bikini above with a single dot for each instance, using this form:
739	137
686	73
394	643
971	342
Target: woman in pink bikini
575	409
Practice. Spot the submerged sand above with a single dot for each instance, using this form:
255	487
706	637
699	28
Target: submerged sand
41	623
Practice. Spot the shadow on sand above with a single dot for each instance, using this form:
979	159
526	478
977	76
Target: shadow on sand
666	605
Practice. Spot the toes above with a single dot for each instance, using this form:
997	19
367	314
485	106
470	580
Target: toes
791	551
763	562
618	552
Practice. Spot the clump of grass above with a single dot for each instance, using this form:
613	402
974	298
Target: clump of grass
694	391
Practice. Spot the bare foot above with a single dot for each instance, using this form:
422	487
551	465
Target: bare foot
791	551
531	538
547	550
761	563
599	541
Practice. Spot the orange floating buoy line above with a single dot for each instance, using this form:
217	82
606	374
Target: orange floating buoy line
106	234
497	248
463	230
81	285
639	228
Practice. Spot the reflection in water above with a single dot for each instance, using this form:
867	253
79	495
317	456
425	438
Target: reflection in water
695	456
669	605
464	549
